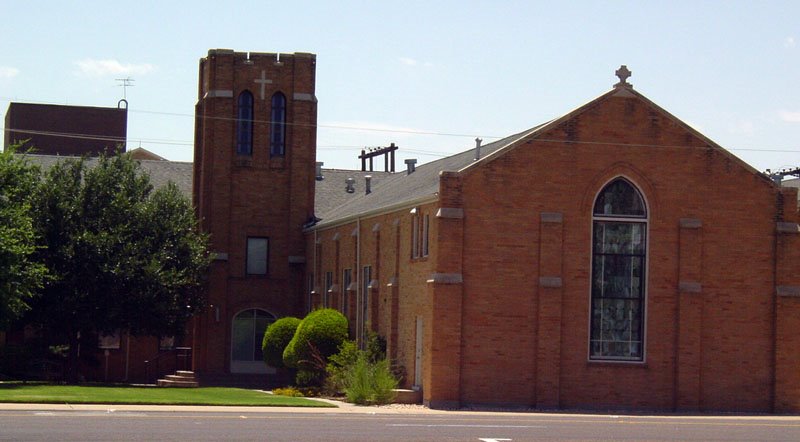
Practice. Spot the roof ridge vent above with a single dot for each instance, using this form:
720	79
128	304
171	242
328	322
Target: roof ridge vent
349	185
320	177
411	165
478	148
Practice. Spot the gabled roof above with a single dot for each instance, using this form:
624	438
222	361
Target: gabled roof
401	190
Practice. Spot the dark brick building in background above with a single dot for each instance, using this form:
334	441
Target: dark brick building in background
67	130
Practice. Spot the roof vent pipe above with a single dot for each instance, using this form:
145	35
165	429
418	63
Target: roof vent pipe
349	185
478	149
411	166
368	180
319	171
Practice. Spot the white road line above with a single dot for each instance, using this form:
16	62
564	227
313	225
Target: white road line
88	413
464	426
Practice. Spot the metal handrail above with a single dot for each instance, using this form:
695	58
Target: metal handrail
183	354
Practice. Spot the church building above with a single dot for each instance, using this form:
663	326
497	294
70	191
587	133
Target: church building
610	258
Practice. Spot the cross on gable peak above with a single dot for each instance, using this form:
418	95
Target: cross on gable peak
623	74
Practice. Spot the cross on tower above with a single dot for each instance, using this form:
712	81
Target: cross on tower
263	81
623	73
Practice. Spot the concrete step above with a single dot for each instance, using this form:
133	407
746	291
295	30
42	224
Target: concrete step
404	396
174	383
179	378
187	375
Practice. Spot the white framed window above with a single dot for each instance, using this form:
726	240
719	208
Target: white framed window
420	227
618	289
257	253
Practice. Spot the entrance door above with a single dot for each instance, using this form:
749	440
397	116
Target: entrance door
246	336
418	356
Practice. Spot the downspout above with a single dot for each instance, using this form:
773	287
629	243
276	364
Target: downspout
314	271
776	238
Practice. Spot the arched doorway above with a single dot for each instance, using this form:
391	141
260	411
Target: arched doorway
246	335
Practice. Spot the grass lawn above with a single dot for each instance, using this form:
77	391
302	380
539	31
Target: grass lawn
86	394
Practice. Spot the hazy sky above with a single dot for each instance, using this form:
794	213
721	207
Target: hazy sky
429	76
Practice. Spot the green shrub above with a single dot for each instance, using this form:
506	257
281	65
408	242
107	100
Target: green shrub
370	383
276	338
317	337
376	347
365	376
339	365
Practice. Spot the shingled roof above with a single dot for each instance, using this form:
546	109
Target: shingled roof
160	172
402	189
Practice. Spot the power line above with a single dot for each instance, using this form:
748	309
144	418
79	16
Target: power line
338	127
161	141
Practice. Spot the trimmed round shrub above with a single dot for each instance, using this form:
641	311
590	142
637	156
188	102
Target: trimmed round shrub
276	338
317	337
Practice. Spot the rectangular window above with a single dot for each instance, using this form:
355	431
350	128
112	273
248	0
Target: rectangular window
366	278
425	230
347	279
414	236
257	252
328	286
166	343
310	291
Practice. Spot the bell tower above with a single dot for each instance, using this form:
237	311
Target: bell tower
254	170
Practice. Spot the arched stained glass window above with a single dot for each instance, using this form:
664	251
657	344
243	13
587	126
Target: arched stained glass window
277	127
244	124
620	198
619	246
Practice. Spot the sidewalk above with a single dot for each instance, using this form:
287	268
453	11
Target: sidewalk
346	408
341	408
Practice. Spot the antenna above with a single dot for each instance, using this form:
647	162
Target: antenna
126	82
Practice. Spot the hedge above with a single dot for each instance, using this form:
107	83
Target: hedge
276	338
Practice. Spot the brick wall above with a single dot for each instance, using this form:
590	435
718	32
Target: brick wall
66	130
708	346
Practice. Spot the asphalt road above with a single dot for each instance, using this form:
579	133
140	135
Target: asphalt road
98	424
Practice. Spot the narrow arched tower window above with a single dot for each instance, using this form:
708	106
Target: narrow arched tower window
244	124
277	128
619	250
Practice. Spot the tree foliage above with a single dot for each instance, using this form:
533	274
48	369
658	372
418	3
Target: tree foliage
121	256
20	275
